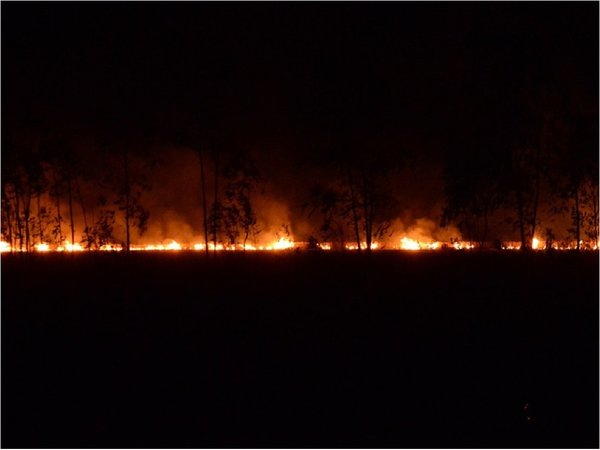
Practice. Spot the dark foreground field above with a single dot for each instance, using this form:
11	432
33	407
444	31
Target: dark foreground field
395	350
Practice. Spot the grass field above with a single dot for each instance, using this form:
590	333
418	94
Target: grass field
300	350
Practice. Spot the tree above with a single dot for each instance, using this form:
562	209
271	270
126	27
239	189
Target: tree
241	177
334	210
129	199
203	195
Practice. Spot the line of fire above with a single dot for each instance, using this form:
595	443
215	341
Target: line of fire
52	201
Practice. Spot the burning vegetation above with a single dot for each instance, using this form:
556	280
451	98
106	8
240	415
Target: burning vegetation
208	202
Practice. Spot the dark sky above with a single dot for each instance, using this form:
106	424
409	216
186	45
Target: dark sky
311	75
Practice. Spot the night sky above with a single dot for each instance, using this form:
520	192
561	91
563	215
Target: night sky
284	71
299	83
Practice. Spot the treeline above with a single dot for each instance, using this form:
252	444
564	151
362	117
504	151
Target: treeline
51	192
56	192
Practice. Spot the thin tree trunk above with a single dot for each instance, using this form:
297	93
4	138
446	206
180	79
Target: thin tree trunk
7	210
367	210
39	216
577	217
215	205
535	205
353	207
27	217
70	196
521	218
127	203
58	216
18	216
204	211
83	211
595	208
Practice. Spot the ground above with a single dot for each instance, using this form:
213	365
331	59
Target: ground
300	350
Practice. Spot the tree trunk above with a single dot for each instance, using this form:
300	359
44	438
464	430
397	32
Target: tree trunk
83	211
521	219
354	207
70	196
58	216
367	208
19	225
39	216
577	217
27	217
595	222
7	211
204	211
215	205
127	203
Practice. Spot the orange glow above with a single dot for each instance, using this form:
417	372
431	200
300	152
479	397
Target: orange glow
363	246
463	246
283	244
111	248
73	247
42	248
407	243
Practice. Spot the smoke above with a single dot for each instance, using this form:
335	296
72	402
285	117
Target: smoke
170	187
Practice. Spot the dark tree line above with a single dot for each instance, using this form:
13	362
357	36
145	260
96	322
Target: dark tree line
43	182
543	162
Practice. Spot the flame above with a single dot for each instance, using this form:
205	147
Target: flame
282	244
173	246
363	246
111	248
407	243
460	245
73	247
42	247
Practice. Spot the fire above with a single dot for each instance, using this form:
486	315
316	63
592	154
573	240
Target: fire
73	247
42	247
459	245
111	248
407	243
363	246
283	244
173	246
